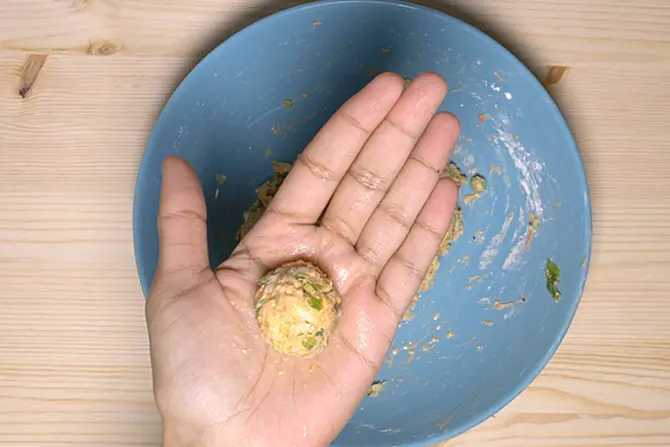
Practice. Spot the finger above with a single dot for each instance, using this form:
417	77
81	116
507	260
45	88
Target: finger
383	156
372	311
182	217
395	215
404	272
265	248
320	168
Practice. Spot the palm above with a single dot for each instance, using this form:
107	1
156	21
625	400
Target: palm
216	380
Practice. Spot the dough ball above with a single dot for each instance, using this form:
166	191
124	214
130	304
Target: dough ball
297	309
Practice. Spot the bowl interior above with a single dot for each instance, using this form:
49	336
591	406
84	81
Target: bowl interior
489	324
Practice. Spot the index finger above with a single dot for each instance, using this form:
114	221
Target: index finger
322	165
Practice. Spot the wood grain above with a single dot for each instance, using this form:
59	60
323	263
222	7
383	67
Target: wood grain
74	365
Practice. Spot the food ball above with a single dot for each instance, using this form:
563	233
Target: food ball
297	309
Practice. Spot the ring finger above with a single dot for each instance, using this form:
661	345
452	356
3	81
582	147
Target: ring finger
395	215
383	156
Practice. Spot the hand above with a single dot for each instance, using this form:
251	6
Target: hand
375	170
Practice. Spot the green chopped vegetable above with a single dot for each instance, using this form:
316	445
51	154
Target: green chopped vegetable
221	179
309	342
265	280
288	103
315	295
260	304
309	289
319	286
315	303
553	274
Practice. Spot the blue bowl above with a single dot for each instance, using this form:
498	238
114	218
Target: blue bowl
489	324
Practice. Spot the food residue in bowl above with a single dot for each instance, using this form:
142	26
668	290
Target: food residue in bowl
453	172
478	185
476	279
498	305
495	169
376	388
454	232
265	194
553	274
533	224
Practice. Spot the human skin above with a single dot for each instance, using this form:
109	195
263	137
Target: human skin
375	170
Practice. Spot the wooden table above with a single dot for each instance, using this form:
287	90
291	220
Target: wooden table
74	363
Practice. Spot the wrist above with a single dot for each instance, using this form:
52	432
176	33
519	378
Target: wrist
177	436
173	437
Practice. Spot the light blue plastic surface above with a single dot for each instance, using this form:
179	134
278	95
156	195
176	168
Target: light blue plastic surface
221	120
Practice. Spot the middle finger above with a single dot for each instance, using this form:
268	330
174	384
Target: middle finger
383	156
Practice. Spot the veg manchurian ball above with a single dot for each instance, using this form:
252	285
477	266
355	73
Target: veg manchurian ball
297	309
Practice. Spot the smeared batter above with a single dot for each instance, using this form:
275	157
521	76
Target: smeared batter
265	193
453	172
454	232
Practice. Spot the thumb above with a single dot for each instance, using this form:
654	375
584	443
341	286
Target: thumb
182	220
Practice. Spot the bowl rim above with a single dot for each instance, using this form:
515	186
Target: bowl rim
572	152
